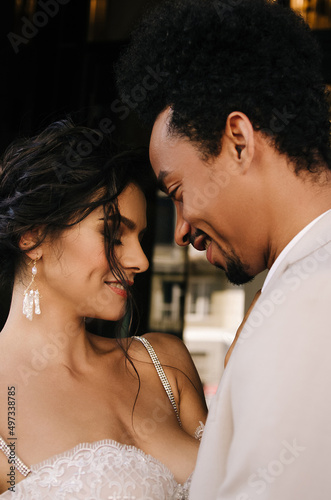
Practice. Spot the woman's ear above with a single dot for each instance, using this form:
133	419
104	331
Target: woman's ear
29	240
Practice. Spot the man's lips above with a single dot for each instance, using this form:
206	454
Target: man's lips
201	242
209	253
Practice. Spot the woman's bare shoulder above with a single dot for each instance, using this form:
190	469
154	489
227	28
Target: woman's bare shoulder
167	345
173	353
174	356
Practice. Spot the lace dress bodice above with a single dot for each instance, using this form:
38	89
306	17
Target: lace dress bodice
103	470
99	471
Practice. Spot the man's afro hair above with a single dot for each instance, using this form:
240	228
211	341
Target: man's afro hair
215	57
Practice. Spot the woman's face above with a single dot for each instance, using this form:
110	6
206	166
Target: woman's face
74	273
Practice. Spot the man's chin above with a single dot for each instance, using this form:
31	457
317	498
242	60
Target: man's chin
239	280
235	273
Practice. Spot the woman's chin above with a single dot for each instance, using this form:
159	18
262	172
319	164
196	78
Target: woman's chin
113	316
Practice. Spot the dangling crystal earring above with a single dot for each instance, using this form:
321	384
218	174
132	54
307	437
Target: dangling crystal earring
31	297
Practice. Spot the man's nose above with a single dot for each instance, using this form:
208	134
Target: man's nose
182	231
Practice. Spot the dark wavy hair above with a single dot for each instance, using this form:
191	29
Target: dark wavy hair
218	56
54	180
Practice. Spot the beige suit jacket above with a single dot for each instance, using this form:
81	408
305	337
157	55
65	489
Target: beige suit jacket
268	433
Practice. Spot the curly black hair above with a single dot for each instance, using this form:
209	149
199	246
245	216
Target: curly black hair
210	58
54	180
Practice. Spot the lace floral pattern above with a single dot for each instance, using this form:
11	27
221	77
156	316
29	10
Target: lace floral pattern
105	470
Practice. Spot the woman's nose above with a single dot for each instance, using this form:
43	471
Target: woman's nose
143	263
135	260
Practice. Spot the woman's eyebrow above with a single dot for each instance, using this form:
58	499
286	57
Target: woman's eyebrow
129	223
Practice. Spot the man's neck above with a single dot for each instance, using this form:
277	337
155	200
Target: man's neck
292	201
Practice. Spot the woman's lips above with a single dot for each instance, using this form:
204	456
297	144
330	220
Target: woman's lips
118	288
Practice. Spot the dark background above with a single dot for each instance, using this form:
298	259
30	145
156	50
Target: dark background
65	65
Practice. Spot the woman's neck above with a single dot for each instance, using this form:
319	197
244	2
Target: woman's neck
56	336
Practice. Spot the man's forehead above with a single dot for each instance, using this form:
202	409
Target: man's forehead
160	133
160	149
165	144
161	143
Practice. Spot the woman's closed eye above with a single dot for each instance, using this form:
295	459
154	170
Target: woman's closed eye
116	240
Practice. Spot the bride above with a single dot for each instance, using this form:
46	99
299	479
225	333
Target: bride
83	416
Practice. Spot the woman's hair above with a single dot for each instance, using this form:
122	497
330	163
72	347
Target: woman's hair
208	58
54	180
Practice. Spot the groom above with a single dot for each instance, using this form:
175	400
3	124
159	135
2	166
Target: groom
241	142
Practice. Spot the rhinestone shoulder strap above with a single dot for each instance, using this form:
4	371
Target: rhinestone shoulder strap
161	374
17	462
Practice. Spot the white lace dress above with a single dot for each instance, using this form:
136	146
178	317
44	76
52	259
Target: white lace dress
104	470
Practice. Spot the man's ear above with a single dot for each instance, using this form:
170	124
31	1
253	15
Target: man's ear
29	240
239	136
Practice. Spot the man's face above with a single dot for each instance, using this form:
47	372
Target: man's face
215	207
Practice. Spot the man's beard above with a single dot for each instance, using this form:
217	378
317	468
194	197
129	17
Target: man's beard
235	270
